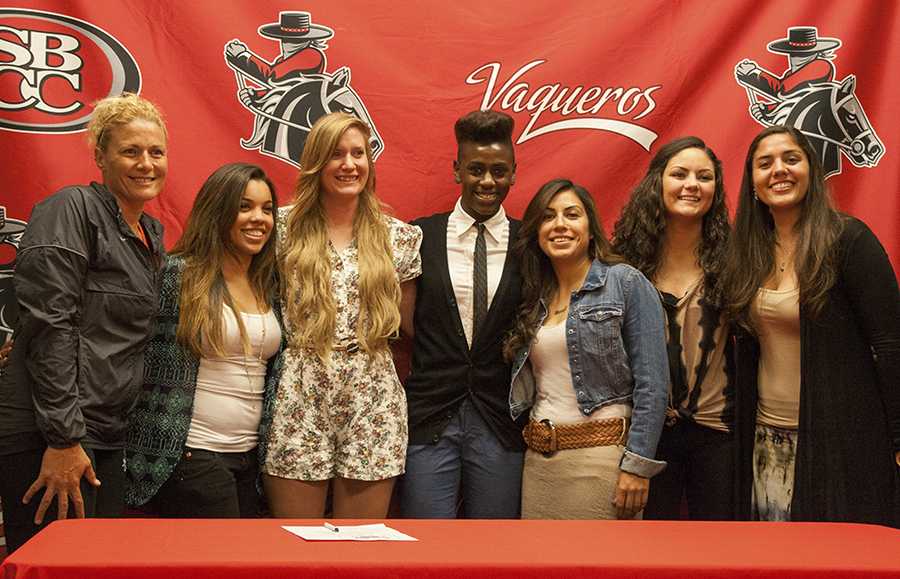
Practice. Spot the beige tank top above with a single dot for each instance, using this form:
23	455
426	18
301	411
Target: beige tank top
776	317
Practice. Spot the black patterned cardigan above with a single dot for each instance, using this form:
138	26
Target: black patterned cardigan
159	422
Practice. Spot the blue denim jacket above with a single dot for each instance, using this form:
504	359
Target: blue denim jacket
615	335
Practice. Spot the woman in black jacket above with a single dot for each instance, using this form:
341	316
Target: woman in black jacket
819	362
86	286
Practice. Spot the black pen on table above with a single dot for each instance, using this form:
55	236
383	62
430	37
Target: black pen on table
331	527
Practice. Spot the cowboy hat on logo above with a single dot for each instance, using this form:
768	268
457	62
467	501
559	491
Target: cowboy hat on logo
803	40
295	26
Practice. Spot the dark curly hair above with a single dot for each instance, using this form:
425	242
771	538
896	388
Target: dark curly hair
640	230
538	278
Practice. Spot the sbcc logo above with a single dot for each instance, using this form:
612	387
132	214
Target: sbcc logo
52	65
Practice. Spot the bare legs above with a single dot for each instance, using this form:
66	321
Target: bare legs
295	499
353	499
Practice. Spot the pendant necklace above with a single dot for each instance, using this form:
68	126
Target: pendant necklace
787	256
259	357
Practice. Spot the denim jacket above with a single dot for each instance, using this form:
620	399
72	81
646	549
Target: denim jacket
615	335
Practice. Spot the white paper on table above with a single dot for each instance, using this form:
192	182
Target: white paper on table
376	532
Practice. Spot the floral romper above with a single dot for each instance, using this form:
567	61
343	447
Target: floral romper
347	419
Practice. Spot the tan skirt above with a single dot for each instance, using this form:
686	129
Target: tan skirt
578	483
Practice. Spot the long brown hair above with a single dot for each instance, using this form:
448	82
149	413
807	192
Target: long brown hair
751	254
640	231
538	278
203	247
304	252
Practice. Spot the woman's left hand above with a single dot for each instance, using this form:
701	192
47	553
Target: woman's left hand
631	494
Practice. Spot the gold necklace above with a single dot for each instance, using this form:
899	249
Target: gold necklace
560	310
786	257
259	356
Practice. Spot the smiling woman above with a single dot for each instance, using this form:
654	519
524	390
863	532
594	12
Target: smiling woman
340	411
589	358
818	362
218	333
674	228
86	285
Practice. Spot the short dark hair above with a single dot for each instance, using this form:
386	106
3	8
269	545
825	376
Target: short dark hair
484	128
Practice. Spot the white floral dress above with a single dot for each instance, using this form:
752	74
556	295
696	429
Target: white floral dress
348	418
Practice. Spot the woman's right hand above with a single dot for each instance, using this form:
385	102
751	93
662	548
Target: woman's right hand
631	494
61	472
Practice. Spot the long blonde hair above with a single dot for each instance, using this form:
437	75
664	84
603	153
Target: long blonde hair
305	262
203	245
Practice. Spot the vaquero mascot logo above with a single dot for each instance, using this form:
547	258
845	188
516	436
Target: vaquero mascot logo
288	94
11	231
807	97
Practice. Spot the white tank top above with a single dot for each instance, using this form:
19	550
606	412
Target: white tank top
229	396
555	397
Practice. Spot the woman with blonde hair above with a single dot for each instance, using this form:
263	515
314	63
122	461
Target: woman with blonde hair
86	286
340	411
211	364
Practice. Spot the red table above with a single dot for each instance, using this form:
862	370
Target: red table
151	548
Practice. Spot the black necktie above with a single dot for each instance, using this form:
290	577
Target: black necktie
479	281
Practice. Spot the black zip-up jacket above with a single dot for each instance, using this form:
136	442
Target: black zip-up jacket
87	293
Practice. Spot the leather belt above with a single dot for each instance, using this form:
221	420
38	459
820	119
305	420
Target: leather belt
546	437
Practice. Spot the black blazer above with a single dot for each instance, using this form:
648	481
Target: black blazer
445	371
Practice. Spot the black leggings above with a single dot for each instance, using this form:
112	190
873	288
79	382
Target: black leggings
18	471
701	467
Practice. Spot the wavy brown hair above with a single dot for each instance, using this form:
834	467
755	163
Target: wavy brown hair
640	231
204	246
751	254
304	252
538	278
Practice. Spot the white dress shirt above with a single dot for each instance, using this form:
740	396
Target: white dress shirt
461	235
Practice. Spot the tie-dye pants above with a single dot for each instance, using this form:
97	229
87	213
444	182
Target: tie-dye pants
773	473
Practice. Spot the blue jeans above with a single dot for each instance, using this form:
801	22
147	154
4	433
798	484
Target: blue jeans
468	459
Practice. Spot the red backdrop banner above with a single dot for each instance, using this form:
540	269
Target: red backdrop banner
595	89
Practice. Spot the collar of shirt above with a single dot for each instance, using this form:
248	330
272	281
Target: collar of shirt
461	222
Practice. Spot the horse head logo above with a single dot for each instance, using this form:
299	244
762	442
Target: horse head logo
808	98
11	231
288	95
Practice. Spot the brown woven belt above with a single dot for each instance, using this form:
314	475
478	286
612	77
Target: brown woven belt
546	437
